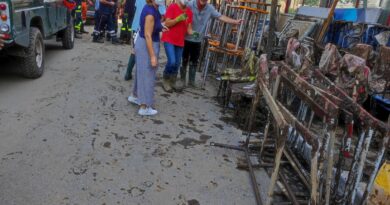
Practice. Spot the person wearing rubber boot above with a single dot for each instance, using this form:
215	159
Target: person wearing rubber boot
202	13
78	22
178	20
96	32
106	9
84	10
127	20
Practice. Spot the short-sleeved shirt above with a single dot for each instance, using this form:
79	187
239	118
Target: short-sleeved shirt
139	5
200	19
151	10
97	3
176	33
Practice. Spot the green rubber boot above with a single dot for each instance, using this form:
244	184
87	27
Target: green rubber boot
177	85
192	76
130	66
167	81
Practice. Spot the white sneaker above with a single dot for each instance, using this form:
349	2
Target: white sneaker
133	100
147	111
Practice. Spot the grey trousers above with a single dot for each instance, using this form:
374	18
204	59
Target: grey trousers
145	77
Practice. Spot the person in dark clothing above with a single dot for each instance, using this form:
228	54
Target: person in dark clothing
106	9
114	21
202	13
127	20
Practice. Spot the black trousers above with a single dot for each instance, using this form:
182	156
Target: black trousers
191	53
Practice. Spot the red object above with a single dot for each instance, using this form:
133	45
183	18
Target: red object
70	5
3	7
288	2
388	20
84	9
6	36
176	33
4	17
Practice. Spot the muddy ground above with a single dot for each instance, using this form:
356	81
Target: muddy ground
71	137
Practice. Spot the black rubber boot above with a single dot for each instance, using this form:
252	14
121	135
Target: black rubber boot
97	38
183	72
122	35
130	66
192	75
108	37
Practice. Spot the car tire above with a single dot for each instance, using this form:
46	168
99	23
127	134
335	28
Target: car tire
33	63
68	36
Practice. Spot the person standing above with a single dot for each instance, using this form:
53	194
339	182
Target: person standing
202	13
128	15
114	19
78	22
139	5
147	49
96	32
178	20
106	10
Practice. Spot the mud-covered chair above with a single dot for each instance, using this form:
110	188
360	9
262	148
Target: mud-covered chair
230	76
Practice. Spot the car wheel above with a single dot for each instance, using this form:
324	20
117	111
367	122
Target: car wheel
34	62
68	36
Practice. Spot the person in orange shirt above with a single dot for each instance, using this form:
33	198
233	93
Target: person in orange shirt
84	10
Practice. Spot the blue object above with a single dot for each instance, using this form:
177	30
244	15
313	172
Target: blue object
346	15
174	55
383	102
151	10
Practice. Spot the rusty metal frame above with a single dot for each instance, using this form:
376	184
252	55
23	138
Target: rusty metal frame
371	126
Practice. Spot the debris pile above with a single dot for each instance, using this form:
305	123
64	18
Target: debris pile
317	141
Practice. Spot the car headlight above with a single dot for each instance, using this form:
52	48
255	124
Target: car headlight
4	28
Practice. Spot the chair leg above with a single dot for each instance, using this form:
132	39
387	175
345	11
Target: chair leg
220	88
228	95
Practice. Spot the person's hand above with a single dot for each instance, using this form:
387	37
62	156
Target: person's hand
112	3
1	41
165	28
181	18
195	34
238	21
153	61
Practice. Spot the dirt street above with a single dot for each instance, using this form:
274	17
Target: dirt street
71	137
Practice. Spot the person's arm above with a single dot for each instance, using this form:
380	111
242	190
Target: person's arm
230	20
219	16
149	25
171	22
111	3
170	19
189	29
1	41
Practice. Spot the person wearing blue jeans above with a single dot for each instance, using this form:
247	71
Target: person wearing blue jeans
174	55
178	20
